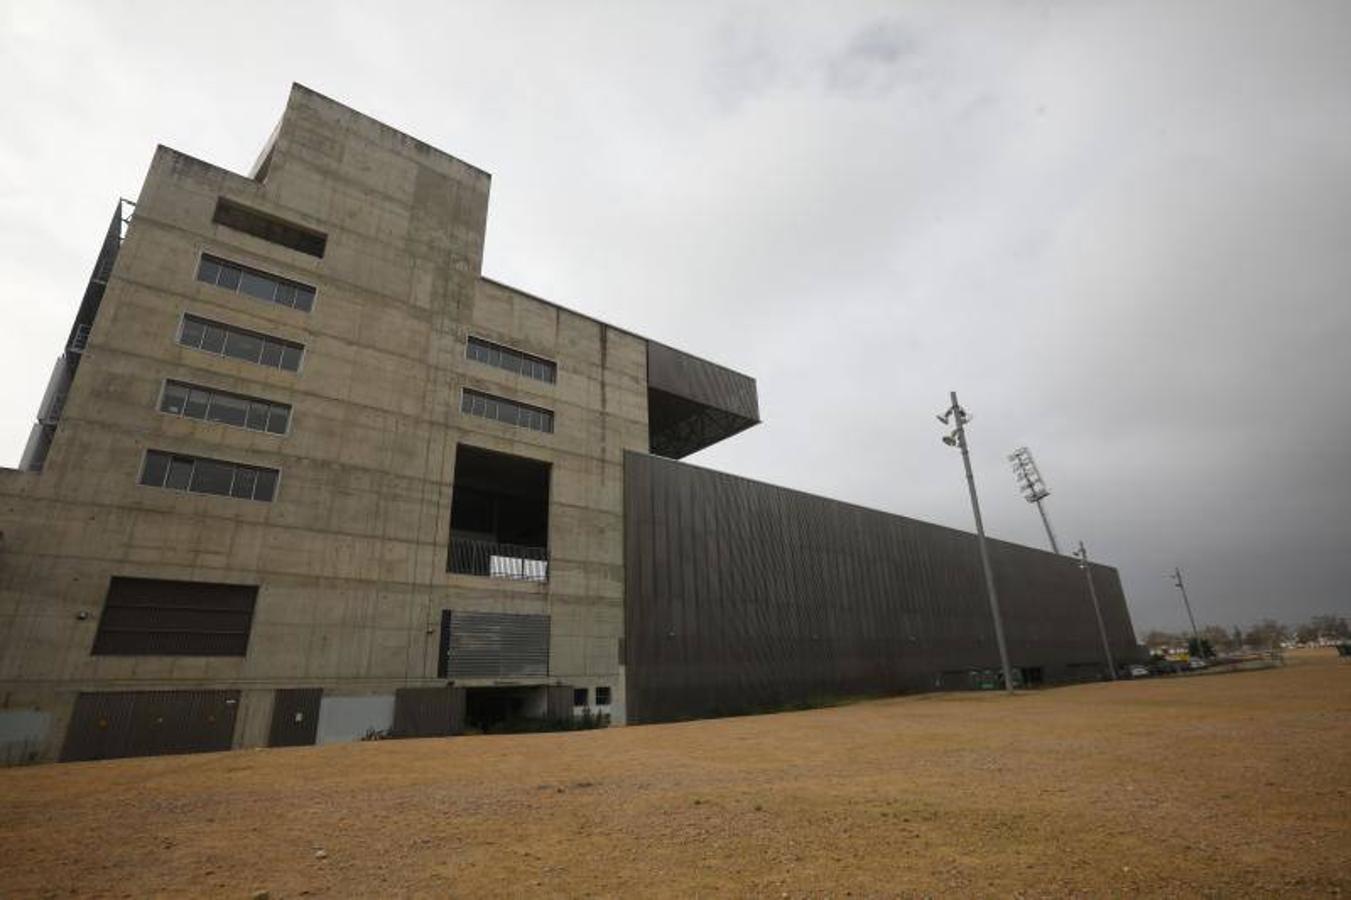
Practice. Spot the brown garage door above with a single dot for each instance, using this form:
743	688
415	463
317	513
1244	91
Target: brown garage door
113	724
295	717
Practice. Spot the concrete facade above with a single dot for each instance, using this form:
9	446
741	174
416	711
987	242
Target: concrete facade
351	555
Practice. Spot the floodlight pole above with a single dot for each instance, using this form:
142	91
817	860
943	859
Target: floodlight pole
1177	580
1055	547
960	416
1097	610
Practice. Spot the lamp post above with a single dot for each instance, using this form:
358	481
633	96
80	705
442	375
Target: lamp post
1097	610
957	438
1033	487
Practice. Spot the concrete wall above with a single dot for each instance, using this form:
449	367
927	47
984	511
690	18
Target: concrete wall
351	555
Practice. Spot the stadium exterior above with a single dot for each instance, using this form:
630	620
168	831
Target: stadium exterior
303	474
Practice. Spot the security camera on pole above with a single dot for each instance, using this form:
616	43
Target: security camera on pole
957	438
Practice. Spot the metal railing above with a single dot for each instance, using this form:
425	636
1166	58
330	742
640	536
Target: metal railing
469	556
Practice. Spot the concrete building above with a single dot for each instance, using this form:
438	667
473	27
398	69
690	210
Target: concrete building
304	474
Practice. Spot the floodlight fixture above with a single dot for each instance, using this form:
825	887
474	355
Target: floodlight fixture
1033	488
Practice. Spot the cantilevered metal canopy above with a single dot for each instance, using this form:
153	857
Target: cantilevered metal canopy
693	403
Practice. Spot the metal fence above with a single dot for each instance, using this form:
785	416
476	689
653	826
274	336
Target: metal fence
514	561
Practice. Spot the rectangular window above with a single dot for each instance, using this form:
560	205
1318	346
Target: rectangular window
198	475
271	288
269	228
238	343
511	360
156	617
602	696
510	412
579	696
194	402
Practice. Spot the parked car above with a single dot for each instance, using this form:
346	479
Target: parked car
1139	672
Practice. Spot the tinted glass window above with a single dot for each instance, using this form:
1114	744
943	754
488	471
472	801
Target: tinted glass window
290	358
229	277
245	478
175	396
208	270
191	333
286	294
210	476
304	299
243	346
266	485
277	419
214	339
511	360
156	467
180	473
258	415
508	411
602	696
228	409
197	403
271	354
257	286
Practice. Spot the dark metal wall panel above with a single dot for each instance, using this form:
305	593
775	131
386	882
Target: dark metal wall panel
114	724
687	376
742	596
161	617
428	712
496	645
558	702
295	717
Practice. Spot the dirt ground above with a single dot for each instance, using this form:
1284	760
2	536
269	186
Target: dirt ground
1228	785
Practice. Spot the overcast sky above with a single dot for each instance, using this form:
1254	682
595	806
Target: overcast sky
1121	231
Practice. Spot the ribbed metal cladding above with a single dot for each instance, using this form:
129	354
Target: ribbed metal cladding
742	596
162	617
497	645
697	379
115	724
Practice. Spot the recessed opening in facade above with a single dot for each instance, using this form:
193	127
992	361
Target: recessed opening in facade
489	709
499	516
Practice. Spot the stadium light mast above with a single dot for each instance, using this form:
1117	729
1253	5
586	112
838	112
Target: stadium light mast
1177	581
1033	487
1097	610
957	438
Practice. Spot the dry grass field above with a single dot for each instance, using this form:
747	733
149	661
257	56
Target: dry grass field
1221	785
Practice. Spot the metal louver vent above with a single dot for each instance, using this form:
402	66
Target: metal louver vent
497	645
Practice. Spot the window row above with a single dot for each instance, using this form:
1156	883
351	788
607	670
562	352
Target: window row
237	343
273	289
199	475
512	360
509	411
579	696
269	227
181	399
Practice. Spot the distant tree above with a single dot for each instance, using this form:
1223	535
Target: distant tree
1217	638
1156	639
1266	634
1332	628
1200	648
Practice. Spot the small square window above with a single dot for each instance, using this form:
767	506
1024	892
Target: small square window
602	696
304	298
195	406
579	696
